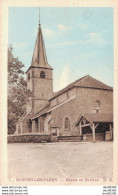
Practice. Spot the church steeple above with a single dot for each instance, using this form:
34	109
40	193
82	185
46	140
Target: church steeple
39	55
39	77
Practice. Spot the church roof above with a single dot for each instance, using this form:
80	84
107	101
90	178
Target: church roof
84	82
49	108
96	117
39	58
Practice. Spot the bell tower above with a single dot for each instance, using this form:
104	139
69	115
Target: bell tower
39	77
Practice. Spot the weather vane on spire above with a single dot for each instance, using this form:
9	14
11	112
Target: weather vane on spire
39	16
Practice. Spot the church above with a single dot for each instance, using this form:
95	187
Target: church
82	111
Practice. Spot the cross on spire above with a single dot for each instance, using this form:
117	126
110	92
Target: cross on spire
39	16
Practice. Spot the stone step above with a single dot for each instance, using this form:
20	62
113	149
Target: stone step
69	138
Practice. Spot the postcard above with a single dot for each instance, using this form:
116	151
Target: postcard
59	75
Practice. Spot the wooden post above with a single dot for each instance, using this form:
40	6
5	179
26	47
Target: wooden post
110	127
16	132
80	127
38	124
21	127
93	129
33	126
57	131
111	132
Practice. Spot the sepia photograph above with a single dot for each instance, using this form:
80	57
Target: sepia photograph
60	95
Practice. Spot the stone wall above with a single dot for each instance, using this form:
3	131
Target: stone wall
41	89
87	97
28	138
98	137
63	97
84	102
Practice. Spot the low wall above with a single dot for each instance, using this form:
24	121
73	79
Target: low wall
28	138
98	137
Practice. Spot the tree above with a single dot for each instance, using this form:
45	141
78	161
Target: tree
16	90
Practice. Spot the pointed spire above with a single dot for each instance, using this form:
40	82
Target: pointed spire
39	56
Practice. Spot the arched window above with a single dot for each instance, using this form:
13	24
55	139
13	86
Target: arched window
42	74
67	123
28	76
97	103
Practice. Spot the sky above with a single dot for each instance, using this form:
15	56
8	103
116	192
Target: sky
78	40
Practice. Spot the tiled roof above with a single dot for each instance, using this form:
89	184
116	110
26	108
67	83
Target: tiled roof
90	82
41	112
85	82
96	117
67	87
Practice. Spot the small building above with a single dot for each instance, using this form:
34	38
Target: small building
82	109
96	126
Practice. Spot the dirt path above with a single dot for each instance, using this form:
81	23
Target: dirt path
62	160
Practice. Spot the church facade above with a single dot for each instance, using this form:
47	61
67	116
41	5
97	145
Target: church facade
82	109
